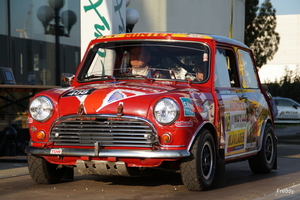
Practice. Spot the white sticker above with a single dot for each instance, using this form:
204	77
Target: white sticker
56	151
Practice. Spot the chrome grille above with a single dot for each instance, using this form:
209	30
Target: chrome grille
103	130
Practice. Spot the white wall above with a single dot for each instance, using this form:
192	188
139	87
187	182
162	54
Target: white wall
201	16
288	27
288	54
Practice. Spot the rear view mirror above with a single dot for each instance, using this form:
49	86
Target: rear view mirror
67	78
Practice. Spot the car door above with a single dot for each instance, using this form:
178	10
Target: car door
258	109
287	109
231	101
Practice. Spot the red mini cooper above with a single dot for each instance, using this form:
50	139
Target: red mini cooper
190	102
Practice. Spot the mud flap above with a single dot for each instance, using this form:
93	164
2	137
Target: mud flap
220	176
275	163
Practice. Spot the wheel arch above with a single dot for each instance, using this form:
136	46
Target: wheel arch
209	126
263	131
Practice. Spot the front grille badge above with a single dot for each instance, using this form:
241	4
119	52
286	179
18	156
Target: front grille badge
120	110
80	110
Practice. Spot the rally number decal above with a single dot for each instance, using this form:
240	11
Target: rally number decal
78	92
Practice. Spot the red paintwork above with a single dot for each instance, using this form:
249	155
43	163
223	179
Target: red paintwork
141	97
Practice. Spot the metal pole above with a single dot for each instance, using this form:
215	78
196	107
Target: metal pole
9	52
57	48
9	35
231	20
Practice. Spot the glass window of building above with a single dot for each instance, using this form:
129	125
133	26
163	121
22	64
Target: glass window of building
34	51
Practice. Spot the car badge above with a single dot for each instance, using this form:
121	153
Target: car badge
80	109
120	110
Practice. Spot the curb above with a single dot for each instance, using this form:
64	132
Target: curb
13	159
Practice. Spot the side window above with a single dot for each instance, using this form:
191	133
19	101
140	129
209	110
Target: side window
246	67
226	75
283	102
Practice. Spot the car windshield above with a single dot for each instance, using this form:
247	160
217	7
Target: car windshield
286	102
147	60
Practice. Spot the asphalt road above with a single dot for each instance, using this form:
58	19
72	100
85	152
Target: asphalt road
241	183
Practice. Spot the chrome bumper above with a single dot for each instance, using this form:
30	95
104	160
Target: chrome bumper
107	152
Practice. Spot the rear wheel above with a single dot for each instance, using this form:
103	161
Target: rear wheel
198	170
264	161
43	172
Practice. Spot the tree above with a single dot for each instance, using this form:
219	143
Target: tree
260	34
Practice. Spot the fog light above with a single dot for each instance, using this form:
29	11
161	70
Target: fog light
40	135
166	137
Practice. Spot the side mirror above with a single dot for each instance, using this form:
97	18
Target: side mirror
67	78
295	106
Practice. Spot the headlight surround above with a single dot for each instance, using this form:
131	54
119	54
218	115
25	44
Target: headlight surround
166	111
41	108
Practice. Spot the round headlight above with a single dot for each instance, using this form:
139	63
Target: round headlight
41	108
166	111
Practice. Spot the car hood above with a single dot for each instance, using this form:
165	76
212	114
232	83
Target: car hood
106	98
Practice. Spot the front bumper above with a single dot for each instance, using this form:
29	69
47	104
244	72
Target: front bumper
96	152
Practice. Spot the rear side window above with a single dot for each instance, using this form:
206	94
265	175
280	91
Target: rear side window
246	68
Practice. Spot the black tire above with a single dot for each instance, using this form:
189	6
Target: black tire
43	172
198	170
263	162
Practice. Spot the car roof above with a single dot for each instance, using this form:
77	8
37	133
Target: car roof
169	35
282	98
223	39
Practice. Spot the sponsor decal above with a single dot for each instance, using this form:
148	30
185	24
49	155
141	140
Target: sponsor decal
251	145
56	151
204	105
155	35
236	139
188	106
227	121
117	95
79	92
235	123
184	123
234	106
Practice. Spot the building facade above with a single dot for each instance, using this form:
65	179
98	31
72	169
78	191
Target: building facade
287	57
201	16
37	54
31	53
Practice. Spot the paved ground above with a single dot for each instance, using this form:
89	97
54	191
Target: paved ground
17	165
13	166
289	135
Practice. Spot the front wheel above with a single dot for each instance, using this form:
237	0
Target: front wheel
264	161
42	171
198	170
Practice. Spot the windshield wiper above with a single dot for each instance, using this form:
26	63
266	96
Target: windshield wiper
128	75
95	76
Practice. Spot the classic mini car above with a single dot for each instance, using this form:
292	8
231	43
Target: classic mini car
288	110
189	102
